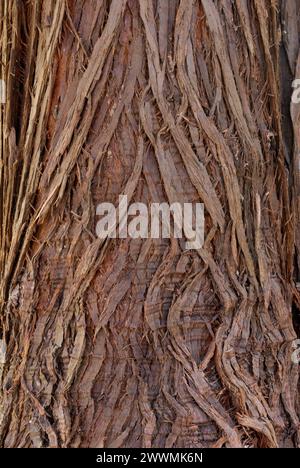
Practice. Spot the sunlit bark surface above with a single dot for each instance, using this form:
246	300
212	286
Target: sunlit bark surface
140	342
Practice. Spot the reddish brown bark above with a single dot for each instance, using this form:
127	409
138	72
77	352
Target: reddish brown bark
140	343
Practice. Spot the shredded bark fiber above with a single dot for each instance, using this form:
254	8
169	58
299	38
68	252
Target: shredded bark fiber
134	342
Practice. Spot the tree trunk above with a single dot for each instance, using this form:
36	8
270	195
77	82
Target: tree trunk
140	342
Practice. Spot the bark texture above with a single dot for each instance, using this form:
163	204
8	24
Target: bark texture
132	342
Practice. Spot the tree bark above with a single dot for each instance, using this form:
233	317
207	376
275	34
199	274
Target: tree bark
139	342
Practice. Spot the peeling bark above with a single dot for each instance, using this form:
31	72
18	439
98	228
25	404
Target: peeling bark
134	342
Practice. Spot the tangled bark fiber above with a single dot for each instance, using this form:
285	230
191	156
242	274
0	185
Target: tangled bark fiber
130	342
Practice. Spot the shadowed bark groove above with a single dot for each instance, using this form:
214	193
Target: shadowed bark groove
139	342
